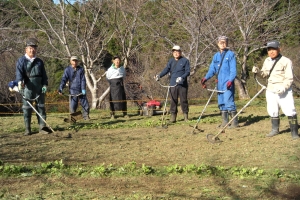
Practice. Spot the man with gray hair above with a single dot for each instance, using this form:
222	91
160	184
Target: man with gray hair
223	65
278	70
32	81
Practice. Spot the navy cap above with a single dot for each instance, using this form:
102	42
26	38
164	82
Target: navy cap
273	44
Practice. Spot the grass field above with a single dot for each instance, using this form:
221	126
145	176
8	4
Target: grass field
136	158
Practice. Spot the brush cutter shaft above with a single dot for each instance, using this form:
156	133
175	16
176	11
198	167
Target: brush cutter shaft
38	113
215	90
168	86
262	89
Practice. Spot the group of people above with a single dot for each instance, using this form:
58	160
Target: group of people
32	79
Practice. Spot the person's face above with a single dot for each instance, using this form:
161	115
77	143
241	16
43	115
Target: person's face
176	54
30	51
117	62
74	63
222	44
273	53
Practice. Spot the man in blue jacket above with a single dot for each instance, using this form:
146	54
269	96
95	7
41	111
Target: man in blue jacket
223	65
74	76
179	69
32	81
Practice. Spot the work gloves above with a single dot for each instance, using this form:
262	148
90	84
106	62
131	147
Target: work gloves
228	85
203	80
178	80
264	74
83	92
44	89
156	77
255	69
59	91
20	85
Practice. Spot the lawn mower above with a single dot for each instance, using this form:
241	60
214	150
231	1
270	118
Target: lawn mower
151	108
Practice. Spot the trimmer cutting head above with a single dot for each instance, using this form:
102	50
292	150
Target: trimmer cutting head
213	139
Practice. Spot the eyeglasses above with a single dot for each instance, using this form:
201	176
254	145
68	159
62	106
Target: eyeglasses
222	43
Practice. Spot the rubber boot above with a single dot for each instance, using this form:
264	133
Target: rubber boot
224	118
41	130
125	115
275	126
112	115
173	118
294	126
27	127
235	122
186	117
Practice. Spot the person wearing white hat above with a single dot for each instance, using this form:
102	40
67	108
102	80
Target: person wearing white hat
32	81
278	70
74	76
223	65
179	69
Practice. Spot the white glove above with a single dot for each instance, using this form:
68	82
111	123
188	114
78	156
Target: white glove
20	85
156	77
255	69
178	80
264	74
280	90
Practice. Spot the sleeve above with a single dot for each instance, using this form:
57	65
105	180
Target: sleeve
166	69
83	80
288	76
19	71
44	74
232	65
109	73
212	70
64	79
187	68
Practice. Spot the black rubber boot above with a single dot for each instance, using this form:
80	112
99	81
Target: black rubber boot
275	126
27	130
27	127
173	118
186	117
42	129
112	115
235	122
294	126
225	120
125	115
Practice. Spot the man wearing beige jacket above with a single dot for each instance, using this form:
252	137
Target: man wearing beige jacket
278	70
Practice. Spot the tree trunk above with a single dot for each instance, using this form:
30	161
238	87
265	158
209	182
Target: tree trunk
241	88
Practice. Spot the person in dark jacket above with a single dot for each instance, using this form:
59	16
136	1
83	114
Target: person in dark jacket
223	65
117	96
74	76
32	82
179	69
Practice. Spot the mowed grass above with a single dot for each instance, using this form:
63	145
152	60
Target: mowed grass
138	158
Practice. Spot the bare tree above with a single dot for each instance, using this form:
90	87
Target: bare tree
74	29
257	22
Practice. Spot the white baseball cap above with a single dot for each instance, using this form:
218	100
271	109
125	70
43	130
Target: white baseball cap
176	48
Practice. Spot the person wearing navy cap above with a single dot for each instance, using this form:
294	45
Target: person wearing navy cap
278	70
32	81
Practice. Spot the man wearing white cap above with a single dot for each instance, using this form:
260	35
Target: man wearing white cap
278	70
74	74
223	65
179	69
32	81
